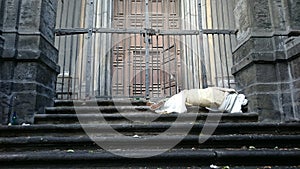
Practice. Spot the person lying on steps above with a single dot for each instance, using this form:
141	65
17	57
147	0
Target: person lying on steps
212	98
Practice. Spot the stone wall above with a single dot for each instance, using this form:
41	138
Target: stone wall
262	67
28	63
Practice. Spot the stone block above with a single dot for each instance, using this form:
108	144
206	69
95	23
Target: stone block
1	45
296	84
9	50
292	47
288	110
29	42
295	68
278	15
294	15
297	111
296	94
261	88
262	44
4	108
266	73
246	77
283	72
49	51
48	18
28	63
10	14
29	17
24	104
6	86
279	42
266	105
36	47
286	98
253	50
285	86
261	19
6	70
35	72
27	104
242	18
1	14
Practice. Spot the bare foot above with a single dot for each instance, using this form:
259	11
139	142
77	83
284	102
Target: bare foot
156	106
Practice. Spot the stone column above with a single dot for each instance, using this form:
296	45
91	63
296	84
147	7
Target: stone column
291	103
261	67
28	62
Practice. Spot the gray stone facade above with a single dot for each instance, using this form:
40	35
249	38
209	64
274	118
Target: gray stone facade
28	60
267	58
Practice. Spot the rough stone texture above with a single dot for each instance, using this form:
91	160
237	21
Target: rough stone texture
294	15
242	19
252	15
29	60
293	55
260	15
266	62
1	44
278	15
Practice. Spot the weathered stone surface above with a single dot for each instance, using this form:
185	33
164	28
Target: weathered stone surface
254	50
295	68
10	14
242	19
262	88
260	13
48	19
278	15
28	63
294	15
266	73
4	107
265	105
283	72
246	77
296	84
1	44
29	17
252	16
266	63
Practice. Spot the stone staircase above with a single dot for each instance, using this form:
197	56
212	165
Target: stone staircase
131	136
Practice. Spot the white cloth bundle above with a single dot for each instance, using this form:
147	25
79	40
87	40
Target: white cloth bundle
214	99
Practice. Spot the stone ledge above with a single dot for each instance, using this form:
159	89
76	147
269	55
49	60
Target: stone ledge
252	58
155	141
2	40
222	128
172	158
293	48
142	118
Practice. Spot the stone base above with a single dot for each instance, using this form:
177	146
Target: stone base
1	44
266	76
293	57
25	88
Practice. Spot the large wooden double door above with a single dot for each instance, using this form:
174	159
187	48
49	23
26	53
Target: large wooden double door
146	58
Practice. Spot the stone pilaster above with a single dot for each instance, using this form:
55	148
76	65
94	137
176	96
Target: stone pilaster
261	67
291	103
292	97
29	59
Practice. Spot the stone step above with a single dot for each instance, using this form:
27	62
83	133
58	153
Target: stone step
96	109
142	129
144	118
123	143
170	159
88	103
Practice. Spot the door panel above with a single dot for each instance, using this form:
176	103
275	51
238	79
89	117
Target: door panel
130	54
